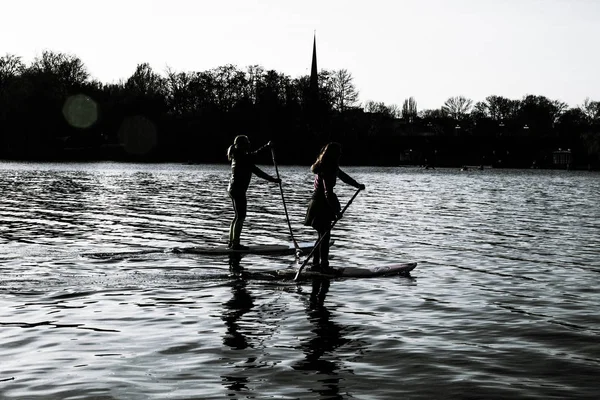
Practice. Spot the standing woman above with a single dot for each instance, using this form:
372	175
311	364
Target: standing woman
324	206
242	167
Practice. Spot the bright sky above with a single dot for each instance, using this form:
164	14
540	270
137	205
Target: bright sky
394	49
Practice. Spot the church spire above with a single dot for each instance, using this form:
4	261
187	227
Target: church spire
314	75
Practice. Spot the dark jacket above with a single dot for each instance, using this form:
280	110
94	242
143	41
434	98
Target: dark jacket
242	168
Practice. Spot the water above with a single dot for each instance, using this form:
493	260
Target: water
503	304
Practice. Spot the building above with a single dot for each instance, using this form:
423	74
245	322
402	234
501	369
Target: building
562	158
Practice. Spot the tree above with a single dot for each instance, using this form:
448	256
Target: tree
572	121
229	86
202	91
10	66
178	95
345	94
395	111
144	81
11	92
11	69
480	110
559	107
378	107
500	108
66	69
254	75
591	109
457	107
327	95
409	108
540	112
438	113
271	89
591	142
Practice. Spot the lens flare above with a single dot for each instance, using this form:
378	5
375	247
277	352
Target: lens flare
80	111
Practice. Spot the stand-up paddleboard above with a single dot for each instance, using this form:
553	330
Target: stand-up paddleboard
264	249
267	249
351	272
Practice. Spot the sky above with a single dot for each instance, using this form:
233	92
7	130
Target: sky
428	49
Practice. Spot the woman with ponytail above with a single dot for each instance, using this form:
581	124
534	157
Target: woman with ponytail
324	206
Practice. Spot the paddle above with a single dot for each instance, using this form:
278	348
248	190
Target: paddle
287	217
321	238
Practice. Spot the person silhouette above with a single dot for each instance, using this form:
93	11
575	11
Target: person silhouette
242	168
324	205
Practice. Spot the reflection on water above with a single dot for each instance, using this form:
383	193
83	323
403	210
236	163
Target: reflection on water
94	304
320	349
241	303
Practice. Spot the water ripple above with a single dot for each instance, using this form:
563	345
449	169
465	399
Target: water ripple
95	304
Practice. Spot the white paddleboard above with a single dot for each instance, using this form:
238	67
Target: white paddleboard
352	272
269	249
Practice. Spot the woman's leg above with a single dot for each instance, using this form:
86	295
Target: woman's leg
235	230
324	249
317	254
232	225
321	253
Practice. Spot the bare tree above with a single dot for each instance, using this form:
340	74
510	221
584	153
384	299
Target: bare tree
559	108
480	110
66	68
379	107
344	92
230	85
145	81
178	95
10	66
457	107
497	107
272	88
373	106
433	114
254	75
395	111
591	109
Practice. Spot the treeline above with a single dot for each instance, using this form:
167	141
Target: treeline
53	110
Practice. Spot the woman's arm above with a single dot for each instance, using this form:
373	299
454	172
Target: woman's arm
347	179
261	174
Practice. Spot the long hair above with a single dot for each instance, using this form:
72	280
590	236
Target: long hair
241	143
328	158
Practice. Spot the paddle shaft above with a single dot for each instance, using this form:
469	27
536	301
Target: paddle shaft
261	148
322	237
287	217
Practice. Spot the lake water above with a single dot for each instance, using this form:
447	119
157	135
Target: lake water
93	305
